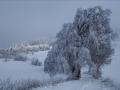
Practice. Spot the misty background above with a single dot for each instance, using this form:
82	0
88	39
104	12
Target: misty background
33	20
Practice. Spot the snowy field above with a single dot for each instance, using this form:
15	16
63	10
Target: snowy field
20	70
23	70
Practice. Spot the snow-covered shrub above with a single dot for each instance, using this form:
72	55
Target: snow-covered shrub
89	33
20	58
29	84
6	60
36	62
18	85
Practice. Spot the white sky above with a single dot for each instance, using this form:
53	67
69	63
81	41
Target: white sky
31	20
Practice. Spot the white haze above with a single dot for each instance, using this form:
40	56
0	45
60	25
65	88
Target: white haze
31	20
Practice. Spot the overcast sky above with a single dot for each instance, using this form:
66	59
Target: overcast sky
31	20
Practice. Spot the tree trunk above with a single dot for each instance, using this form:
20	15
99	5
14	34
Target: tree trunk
76	71
90	70
97	72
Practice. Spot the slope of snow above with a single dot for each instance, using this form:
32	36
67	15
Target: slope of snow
17	70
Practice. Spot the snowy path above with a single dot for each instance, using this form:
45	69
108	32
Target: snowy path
83	84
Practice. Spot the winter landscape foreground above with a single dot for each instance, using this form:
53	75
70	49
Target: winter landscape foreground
11	71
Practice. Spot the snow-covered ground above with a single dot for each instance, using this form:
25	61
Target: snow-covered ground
17	70
82	84
113	70
23	70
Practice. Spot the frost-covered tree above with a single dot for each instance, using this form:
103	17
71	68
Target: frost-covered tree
56	61
94	29
86	41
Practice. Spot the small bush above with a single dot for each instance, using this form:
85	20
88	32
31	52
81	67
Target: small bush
36	62
5	60
20	58
18	85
